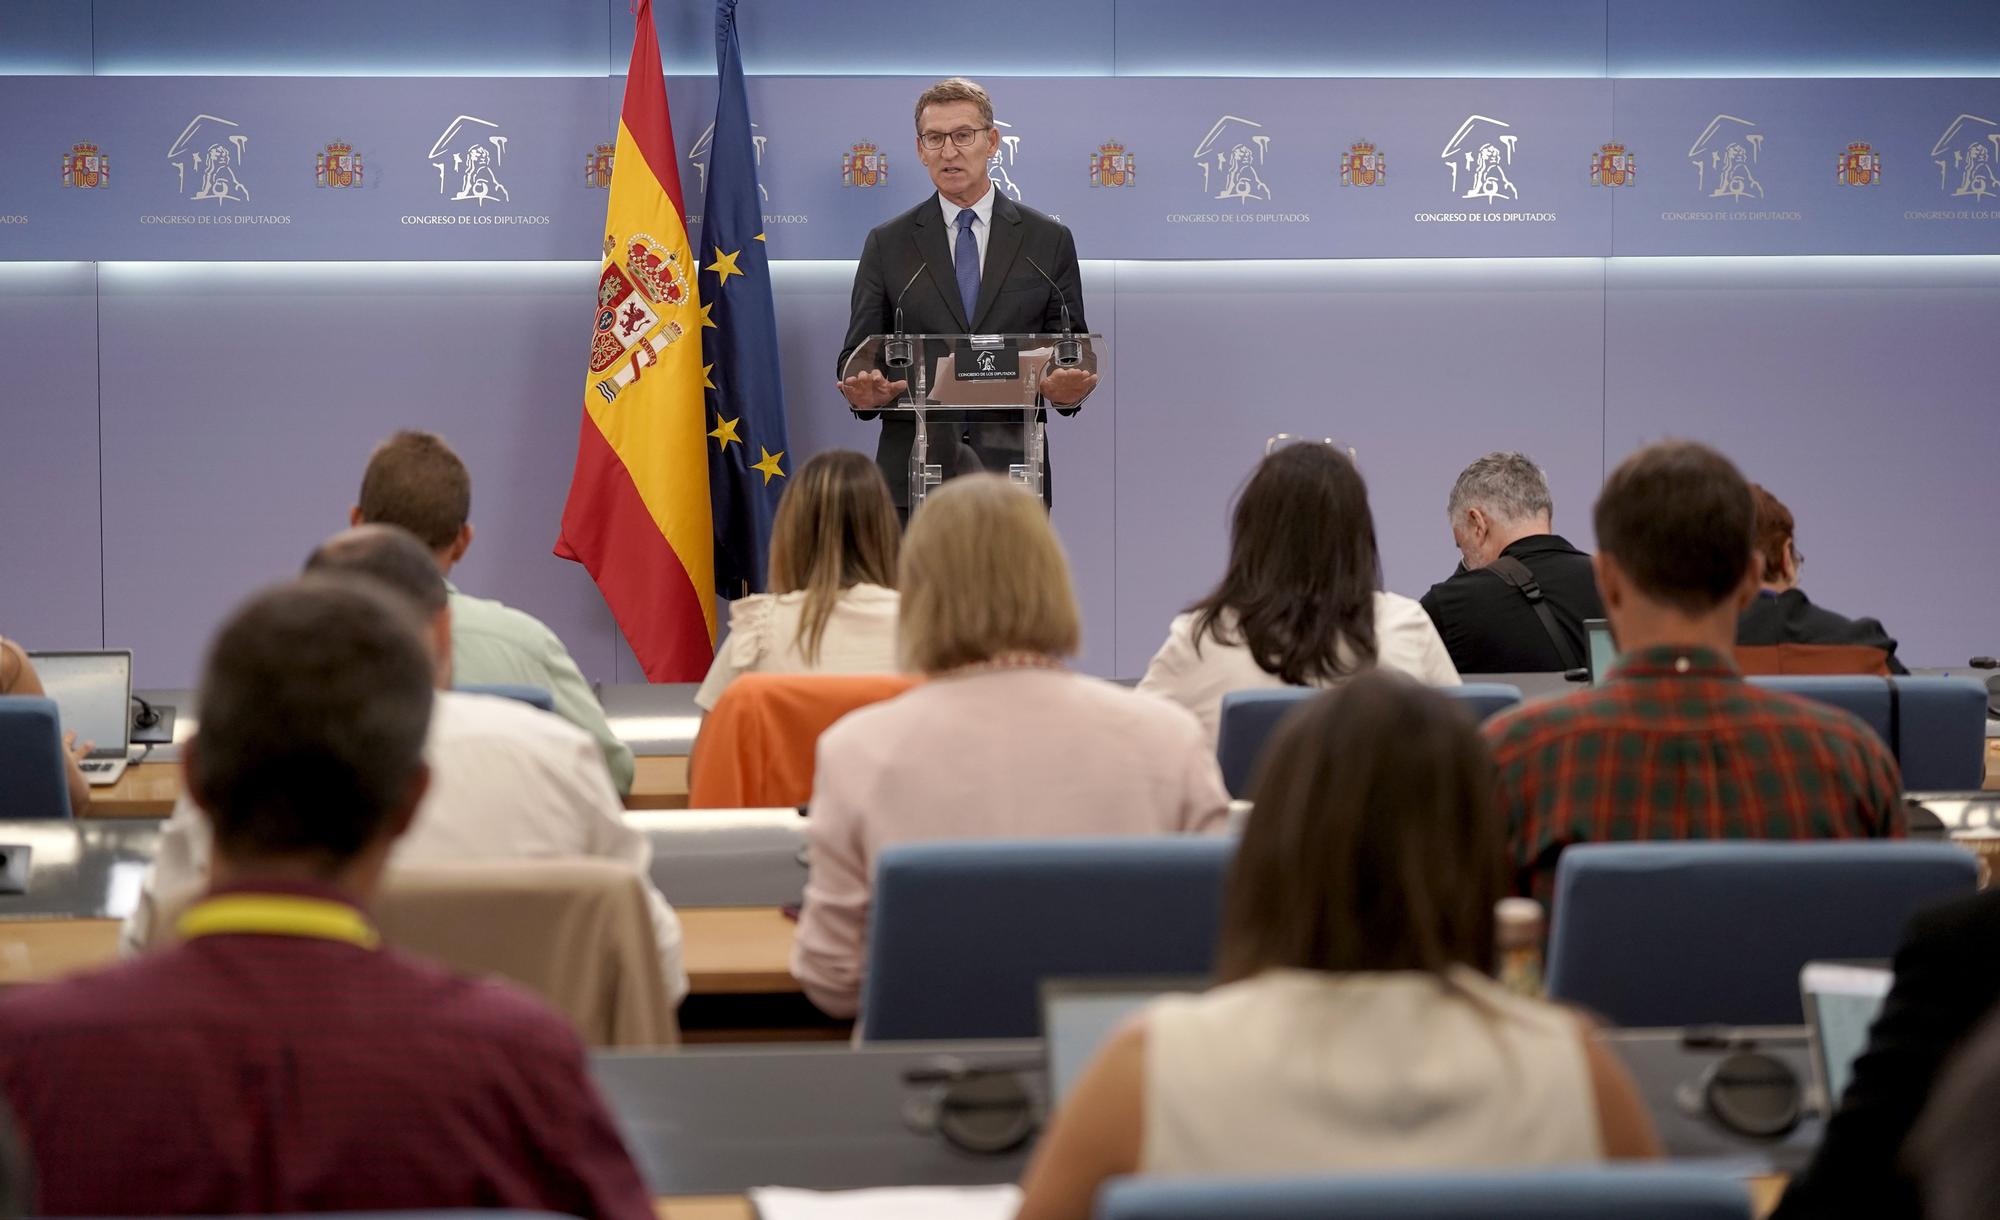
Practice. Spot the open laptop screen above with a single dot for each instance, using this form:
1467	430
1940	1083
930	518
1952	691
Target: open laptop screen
1842	1000
93	693
1079	1015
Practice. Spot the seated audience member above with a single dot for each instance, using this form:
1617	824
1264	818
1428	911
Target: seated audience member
832	604
1946	985
1357	1025
1503	523
1676	745
18	677
1301	602
507	781
281	1059
414	480
1952	1150
1001	740
1780	613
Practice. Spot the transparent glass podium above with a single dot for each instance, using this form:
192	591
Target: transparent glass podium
952	380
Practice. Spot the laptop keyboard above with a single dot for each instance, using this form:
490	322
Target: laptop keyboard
96	766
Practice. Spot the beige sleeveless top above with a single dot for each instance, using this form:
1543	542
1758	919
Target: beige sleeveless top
1297	1071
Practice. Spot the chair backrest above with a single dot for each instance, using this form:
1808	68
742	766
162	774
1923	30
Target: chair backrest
1812	659
1935	726
520	692
1674	934
578	933
756	747
961	934
1251	717
34	780
1638	1193
1943	733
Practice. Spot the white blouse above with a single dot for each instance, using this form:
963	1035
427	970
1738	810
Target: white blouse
1405	640
1299	1071
763	638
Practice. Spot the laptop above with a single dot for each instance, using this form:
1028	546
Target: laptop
1080	1015
1603	649
1842	1000
93	694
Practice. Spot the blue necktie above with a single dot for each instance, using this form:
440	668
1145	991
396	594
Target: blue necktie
965	262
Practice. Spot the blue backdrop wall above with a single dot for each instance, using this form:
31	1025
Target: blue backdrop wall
173	433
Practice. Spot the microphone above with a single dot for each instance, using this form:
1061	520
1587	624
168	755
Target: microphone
900	352
1069	351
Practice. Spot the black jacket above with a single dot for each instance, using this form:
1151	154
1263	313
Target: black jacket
1788	618
1014	298
1488	625
1947	979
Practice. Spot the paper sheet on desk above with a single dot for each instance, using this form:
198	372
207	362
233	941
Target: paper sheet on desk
889	1203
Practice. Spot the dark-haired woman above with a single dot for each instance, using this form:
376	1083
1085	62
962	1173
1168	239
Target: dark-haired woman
1356	1024
1302	602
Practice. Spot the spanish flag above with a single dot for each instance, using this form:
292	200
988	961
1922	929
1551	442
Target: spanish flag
638	515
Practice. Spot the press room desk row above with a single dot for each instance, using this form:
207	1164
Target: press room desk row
729	951
1764	1192
658	720
149	789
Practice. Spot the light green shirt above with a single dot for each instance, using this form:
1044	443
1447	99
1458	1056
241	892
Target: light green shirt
493	643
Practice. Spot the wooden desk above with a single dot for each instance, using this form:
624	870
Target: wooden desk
738	951
705	1207
149	790
728	950
37	950
659	781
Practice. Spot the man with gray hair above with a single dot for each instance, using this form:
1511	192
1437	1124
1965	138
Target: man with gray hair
1518	602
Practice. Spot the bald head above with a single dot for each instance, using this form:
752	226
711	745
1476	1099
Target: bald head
390	557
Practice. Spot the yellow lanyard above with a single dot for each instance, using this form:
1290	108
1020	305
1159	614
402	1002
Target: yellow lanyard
279	915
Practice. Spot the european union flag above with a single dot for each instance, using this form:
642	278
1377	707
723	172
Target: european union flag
747	463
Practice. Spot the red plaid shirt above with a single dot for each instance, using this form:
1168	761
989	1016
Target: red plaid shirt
282	1073
1678	746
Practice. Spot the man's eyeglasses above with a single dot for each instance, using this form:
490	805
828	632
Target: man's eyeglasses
962	138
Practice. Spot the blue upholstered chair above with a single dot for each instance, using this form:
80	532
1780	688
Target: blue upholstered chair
533	696
1647	1193
962	933
1674	934
34	781
1250	717
1935	726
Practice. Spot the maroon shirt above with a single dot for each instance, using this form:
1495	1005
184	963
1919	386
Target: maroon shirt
274	1073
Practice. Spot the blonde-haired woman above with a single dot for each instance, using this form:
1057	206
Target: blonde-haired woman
832	604
1001	741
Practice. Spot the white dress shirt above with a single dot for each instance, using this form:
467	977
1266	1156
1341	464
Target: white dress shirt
1405	639
860	638
508	782
982	222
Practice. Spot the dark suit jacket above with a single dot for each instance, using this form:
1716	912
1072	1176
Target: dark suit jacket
1488	625
1013	298
1947	979
1788	618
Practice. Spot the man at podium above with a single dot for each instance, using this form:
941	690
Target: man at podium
967	260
